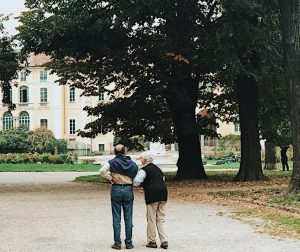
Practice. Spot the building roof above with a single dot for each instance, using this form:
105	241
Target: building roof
38	60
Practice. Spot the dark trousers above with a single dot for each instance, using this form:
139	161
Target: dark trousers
284	163
122	198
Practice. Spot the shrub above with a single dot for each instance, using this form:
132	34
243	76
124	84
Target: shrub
2	158
45	158
54	159
25	158
66	159
10	158
19	159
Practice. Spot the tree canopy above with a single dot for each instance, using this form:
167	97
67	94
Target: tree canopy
149	56
158	61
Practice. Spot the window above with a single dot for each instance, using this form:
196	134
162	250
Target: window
23	76
101	147
101	96
44	123
72	94
72	127
24	119
7	121
43	76
237	127
24	94
43	95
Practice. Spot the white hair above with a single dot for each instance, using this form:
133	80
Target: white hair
147	155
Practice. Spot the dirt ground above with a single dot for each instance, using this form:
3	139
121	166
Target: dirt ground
47	212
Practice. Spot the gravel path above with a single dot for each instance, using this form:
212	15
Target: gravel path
45	212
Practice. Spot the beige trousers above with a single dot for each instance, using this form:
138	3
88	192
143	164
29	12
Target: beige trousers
156	220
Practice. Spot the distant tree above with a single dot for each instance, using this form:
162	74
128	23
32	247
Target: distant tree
9	63
61	146
42	141
245	54
274	104
15	140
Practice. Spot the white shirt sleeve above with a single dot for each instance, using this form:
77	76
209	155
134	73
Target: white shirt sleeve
139	178
105	171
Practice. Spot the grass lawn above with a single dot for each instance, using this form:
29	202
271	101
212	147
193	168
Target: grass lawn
48	167
222	166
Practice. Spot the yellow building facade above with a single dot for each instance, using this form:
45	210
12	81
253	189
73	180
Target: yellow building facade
41	102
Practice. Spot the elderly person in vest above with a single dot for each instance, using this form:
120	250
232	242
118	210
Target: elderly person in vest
121	171
153	181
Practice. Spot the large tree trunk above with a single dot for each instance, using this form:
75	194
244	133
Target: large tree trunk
182	92
182	98
270	156
290	16
189	163
250	166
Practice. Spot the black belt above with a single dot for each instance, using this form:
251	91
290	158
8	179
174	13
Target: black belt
121	184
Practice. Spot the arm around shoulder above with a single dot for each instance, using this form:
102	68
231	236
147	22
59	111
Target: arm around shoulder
139	178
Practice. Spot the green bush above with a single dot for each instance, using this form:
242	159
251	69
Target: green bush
10	158
2	158
19	159
45	158
67	159
21	140
54	159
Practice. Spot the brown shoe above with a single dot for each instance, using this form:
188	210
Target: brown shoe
164	245
151	245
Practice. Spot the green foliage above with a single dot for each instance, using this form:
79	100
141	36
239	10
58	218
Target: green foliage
61	146
245	41
137	143
42	140
20	140
29	158
15	140
9	63
230	143
142	53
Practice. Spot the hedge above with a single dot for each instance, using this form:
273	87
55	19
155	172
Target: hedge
32	158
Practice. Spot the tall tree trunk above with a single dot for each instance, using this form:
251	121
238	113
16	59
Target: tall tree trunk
182	91
182	98
189	163
270	156
290	17
250	166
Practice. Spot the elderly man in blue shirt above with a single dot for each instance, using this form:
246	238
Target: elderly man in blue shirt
121	171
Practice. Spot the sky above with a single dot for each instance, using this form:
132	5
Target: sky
14	7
